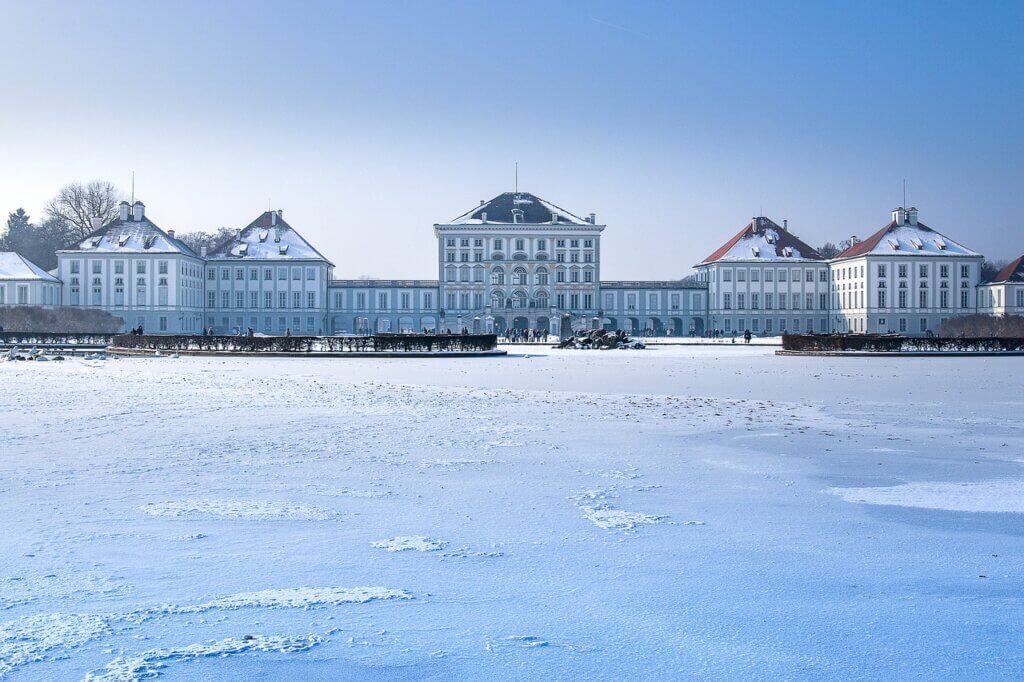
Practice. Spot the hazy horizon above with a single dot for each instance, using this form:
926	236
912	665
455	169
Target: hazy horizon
675	124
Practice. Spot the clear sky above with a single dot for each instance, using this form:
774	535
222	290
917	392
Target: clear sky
675	122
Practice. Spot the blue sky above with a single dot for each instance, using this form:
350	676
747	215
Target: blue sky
674	122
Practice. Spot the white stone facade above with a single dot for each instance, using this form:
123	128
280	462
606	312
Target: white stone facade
520	261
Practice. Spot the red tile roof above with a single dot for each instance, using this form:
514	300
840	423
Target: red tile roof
1013	272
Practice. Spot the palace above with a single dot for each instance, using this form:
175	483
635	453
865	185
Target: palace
515	261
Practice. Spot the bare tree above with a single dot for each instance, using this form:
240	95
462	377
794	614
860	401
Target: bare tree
989	269
76	205
197	239
828	250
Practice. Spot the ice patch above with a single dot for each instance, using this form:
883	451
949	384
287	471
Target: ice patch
17	590
292	598
32	638
454	463
618	519
405	542
982	496
346	492
254	510
596	508
148	664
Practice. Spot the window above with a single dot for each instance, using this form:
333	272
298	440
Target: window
268	274
823	275
542	276
903	298
296	273
741	275
239	299
809	276
943	271
922	299
76	267
754	300
755	275
296	299
903	271
769	275
782	275
588	276
450	243
211	299
282	274
944	298
881	298
922	270
254	301
767	298
282	300
809	301
520	244
822	301
542	244
965	271
796	301
881	271
727	275
741	302
923	324
382	301
97	267
727	301
963	298
311	299
268	301
574	243
498	244
498	276
464	243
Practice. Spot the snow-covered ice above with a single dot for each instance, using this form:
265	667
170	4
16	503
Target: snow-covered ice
688	511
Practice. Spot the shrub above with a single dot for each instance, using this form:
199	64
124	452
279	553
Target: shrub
58	320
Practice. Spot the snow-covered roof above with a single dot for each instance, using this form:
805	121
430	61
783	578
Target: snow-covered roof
908	239
268	237
1012	272
519	208
14	266
132	236
763	240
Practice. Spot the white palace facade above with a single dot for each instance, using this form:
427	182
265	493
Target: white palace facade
515	261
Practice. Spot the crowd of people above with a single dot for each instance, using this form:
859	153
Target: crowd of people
514	335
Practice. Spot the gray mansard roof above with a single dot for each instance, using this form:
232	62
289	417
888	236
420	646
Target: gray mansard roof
268	237
132	236
518	207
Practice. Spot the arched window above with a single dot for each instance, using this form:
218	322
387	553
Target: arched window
520	278
542	300
478	274
464	273
519	299
497	299
498	276
542	276
449	273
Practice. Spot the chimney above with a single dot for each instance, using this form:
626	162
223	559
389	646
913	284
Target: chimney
238	235
785	225
593	218
170	233
124	208
912	215
138	211
273	218
202	250
97	223
899	215
483	216
482	202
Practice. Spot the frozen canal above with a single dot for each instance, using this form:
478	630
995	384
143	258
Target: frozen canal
669	513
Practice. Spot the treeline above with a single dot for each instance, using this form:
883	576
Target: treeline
983	327
67	220
23	318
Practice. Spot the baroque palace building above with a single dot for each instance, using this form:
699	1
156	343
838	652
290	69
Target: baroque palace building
515	261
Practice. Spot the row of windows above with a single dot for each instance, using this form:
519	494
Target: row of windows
519	244
771	275
478	257
770	301
771	325
254	300
254	273
21	294
404	300
119	265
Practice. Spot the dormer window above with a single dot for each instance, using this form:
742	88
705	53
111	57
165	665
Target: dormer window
147	242
96	241
894	244
263	234
918	244
787	252
755	251
243	249
941	243
282	249
122	240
